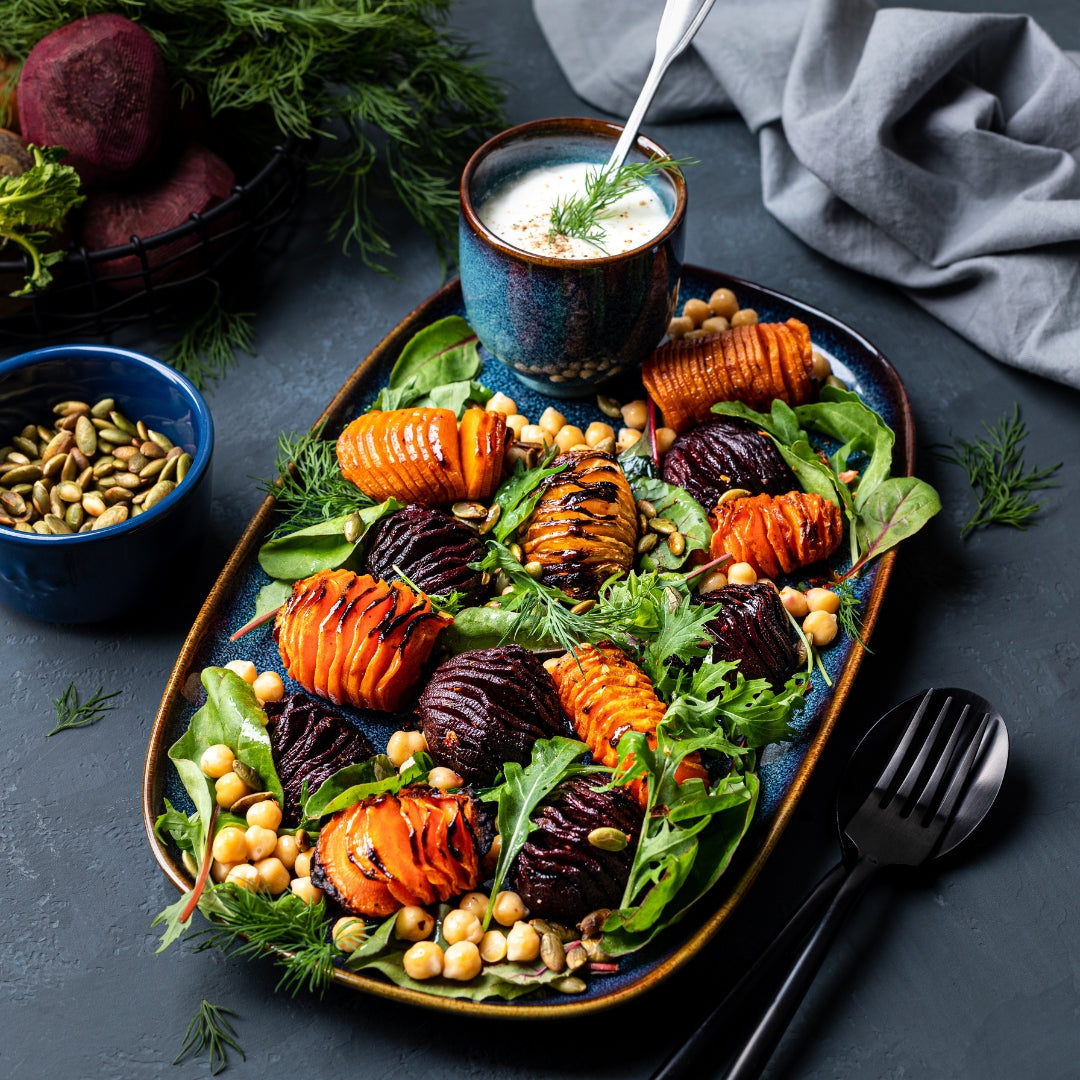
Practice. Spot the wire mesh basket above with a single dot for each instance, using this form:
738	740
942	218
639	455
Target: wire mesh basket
98	292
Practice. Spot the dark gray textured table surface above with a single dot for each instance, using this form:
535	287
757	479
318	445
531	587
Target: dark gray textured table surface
969	972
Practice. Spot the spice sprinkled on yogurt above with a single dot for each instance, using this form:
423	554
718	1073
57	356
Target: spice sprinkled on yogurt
519	212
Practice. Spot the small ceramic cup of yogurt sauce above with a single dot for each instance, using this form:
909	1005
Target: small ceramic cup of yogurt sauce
565	315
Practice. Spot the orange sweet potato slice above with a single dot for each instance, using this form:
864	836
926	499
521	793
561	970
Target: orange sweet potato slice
335	872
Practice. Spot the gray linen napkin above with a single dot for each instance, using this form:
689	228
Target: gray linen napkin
938	151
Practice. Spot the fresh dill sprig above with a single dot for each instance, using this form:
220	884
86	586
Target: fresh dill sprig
210	1030
996	471
310	487
209	342
248	923
73	713
580	215
848	615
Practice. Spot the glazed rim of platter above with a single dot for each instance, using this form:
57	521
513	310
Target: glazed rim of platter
787	774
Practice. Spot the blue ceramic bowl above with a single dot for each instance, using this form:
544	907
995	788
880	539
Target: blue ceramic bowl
88	577
566	326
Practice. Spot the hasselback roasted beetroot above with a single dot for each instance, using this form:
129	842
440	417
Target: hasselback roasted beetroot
752	627
777	534
423	456
584	527
486	707
432	549
309	741
725	453
753	364
605	695
559	874
388	851
352	639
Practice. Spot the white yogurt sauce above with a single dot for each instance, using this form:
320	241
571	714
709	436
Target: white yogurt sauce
519	212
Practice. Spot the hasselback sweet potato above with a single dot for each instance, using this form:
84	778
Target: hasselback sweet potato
777	534
352	639
416	847
421	456
752	364
584	527
605	694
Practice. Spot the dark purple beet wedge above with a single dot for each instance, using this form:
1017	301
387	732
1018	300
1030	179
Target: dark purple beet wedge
310	741
432	549
486	707
726	453
751	626
561	875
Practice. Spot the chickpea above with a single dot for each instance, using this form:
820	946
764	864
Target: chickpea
219	871
268	687
820	627
229	788
715	579
552	421
230	845
535	435
509	908
693	335
302	887
476	902
697	311
679	327
499	402
744	317
723	303
413	923
516	422
349	933
822	600
265	814
569	436
635	414
461	926
443	778
217	760
716	325
598	431
260	842
741	573
399	748
627	437
665	436
302	865
522	943
461	961
244	668
273	875
822	368
286	850
245	875
794	601
424	960
493	947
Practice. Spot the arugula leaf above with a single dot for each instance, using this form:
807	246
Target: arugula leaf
518	496
441	354
319	547
679	506
522	790
231	716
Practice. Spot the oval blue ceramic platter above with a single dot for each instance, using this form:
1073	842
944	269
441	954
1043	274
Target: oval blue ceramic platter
784	769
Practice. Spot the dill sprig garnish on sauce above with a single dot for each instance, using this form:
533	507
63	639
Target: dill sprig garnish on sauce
310	488
995	469
580	215
209	1030
73	713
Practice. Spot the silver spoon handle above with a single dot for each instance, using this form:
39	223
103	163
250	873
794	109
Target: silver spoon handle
678	25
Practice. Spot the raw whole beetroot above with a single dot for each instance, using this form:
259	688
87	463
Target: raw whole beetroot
198	182
98	88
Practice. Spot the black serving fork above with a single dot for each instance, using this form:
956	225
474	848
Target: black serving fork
932	792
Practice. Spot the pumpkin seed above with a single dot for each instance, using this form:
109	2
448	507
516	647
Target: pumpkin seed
13	503
663	526
169	471
75	515
69	470
609	406
354	527
161	440
40	497
534	569
158	492
568	984
732	493
552	952
606	446
86	478
647	543
127	480
64	408
61	443
86	436
16	457
93	504
591	945
247	774
114	515
142	430
583	607
151	450
41	528
593	923
123	423
27	446
183	463
53	468
44	433
608	839
103	407
676	543
645	507
137	462
22	474
104	467
544	926
245	802
517	552
68	491
114	495
576	957
469	511
57	526
125	453
113	435
491	520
